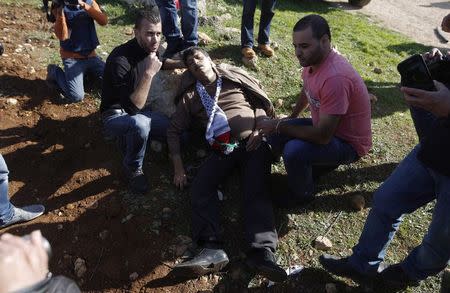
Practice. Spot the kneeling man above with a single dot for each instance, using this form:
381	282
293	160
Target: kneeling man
227	103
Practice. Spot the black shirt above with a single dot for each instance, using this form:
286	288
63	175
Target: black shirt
121	76
435	147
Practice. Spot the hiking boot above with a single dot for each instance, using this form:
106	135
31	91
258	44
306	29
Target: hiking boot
248	53
395	276
206	261
262	261
266	50
24	214
138	183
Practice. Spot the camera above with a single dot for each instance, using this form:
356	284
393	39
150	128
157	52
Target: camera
417	73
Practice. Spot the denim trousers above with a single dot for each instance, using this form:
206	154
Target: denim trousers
70	80
6	208
248	14
259	219
133	132
176	40
411	186
303	160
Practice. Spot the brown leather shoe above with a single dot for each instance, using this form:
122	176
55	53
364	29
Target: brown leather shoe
248	53
266	50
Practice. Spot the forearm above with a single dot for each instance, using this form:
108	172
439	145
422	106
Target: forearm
140	94
307	133
96	13
61	30
177	161
300	105
171	64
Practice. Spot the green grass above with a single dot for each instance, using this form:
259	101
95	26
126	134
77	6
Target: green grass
367	46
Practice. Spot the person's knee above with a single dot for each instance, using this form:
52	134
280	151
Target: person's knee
141	125
75	96
295	151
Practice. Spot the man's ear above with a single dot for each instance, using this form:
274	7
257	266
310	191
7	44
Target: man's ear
325	40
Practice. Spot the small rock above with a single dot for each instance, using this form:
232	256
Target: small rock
60	214
80	267
358	202
250	63
310	252
103	235
93	206
201	153
330	288
127	218
293	105
166	213
32	70
322	243
134	276
204	280
156	146
70	206
219	195
279	102
204	39
377	70
129	31
274	45
11	101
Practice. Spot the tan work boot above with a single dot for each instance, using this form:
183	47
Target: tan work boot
248	53
266	50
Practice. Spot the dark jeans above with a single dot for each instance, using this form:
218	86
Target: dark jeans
409	187
258	213
302	159
248	14
176	40
132	133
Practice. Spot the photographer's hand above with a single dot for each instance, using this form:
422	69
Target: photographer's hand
436	102
22	263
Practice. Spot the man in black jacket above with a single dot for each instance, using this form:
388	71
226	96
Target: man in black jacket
423	176
125	109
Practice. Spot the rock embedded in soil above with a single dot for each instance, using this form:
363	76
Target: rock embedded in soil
330	288
80	268
322	243
134	276
358	202
377	70
11	101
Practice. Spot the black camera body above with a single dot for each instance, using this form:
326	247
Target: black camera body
417	73
56	4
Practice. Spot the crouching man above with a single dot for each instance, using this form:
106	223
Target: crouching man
227	103
129	72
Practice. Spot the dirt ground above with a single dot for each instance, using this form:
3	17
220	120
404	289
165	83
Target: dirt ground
57	156
417	19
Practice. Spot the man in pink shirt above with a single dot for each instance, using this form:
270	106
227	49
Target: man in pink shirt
339	130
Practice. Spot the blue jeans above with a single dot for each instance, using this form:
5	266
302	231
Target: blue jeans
176	40
6	208
248	14
409	187
70	81
132	133
302	159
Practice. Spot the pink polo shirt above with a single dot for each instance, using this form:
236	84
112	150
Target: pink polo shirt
335	88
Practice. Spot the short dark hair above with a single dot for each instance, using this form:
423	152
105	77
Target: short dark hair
151	14
191	51
317	23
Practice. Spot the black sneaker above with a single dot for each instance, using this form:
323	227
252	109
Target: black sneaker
138	182
52	84
262	261
395	276
206	261
340	267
